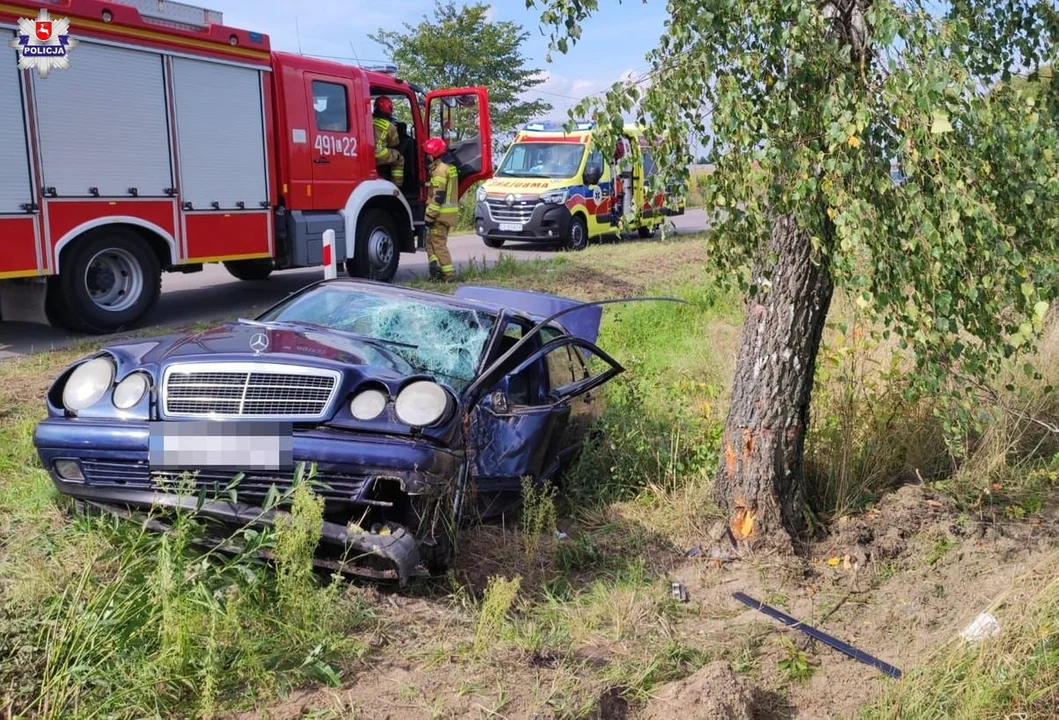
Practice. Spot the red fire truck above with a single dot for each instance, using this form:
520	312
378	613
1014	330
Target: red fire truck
171	140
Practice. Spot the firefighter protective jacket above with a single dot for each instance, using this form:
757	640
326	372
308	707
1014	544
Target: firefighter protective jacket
444	186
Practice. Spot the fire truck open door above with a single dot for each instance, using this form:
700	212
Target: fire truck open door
461	117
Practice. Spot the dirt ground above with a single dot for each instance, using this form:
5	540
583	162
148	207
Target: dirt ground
898	582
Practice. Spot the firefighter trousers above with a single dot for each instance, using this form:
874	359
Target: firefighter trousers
396	162
438	245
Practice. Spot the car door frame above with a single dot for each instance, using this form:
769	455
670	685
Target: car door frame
467	178
578	387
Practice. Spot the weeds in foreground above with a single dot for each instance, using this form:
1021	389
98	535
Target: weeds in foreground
499	598
538	517
150	626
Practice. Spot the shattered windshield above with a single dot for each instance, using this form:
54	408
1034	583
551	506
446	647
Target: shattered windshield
432	338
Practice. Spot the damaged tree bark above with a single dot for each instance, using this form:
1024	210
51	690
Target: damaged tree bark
759	476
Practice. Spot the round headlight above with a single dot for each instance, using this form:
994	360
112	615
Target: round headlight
368	405
87	384
480	195
421	404
130	391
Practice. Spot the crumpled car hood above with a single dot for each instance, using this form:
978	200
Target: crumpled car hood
268	341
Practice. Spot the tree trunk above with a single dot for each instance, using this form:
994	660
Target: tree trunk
759	476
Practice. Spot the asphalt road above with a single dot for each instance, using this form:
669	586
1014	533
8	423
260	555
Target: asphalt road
213	294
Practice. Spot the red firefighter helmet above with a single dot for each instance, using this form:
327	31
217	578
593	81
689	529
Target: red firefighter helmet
384	105
435	147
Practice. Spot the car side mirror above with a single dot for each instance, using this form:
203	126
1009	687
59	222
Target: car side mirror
592	175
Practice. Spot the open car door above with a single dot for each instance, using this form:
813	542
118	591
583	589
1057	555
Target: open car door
531	421
461	117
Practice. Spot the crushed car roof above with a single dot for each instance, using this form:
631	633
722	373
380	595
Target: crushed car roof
582	323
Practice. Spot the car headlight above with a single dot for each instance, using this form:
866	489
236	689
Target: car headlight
130	391
368	405
555	197
88	384
421	404
480	195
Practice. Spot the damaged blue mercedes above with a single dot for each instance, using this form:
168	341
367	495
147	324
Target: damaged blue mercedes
419	411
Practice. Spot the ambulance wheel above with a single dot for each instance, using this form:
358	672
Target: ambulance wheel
256	269
108	281
376	255
577	234
493	242
646	233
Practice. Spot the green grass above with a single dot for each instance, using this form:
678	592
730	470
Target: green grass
99	617
1015	674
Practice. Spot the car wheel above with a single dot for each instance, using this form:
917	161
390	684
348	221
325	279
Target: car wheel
577	234
646	233
376	253
493	242
107	282
256	269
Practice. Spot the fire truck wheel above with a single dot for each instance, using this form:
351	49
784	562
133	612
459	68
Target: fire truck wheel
646	232
376	255
108	281
256	269
577	234
493	242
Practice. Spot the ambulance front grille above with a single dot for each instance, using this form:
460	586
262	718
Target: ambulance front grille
520	212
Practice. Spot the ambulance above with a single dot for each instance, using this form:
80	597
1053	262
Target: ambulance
142	137
560	187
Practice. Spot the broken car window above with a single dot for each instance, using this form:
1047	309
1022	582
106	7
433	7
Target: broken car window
432	338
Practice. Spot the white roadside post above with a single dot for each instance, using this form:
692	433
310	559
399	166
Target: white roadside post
330	269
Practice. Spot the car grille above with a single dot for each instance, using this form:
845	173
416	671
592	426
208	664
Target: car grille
520	212
241	390
137	475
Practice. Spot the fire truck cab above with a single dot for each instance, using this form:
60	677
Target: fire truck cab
171	141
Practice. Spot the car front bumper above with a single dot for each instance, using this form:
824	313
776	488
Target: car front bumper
547	223
352	473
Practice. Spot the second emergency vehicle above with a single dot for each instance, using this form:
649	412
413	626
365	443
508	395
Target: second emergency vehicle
560	187
170	141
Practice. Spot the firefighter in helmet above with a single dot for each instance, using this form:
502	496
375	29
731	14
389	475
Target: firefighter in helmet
387	139
442	210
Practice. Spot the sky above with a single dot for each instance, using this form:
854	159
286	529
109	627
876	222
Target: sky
613	45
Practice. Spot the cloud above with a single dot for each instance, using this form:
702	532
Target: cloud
563	92
490	14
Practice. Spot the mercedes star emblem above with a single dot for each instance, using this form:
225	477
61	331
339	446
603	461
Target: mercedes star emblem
259	343
510	200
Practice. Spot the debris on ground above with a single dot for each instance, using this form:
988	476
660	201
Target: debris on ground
829	640
984	626
715	691
678	591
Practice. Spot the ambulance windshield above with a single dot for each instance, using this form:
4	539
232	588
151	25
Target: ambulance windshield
555	160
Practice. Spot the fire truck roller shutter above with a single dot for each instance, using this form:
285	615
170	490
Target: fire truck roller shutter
15	187
113	141
221	132
103	124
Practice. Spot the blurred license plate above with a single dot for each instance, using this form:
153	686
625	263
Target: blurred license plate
234	445
511	227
